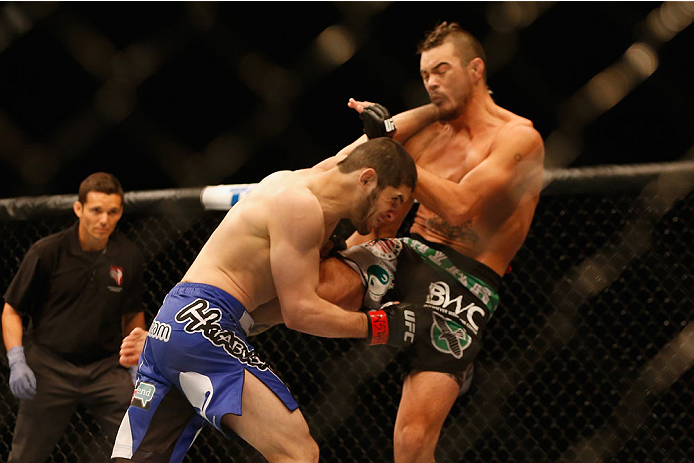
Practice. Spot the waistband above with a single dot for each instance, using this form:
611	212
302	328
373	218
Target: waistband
228	303
465	263
439	260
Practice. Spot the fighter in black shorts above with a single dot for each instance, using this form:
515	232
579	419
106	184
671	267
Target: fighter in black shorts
461	292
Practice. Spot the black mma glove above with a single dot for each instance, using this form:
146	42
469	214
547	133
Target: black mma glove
377	121
398	325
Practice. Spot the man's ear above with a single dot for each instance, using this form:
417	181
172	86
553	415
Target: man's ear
476	66
77	207
368	178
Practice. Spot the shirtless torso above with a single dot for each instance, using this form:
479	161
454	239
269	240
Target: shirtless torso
268	245
236	258
491	234
479	180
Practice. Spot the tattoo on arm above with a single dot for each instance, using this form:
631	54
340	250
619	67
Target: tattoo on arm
517	157
463	232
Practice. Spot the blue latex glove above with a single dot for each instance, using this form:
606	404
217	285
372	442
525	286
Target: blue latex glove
22	379
133	374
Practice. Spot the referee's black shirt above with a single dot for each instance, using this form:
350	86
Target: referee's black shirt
76	298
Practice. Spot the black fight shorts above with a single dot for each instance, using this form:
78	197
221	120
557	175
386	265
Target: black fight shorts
461	293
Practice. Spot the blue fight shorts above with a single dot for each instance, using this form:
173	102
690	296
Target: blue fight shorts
191	371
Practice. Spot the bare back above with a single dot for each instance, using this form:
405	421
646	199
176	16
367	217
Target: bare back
508	183
236	258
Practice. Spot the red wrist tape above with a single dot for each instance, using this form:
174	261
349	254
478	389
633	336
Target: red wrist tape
379	327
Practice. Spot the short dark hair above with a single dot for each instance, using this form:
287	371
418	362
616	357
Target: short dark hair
101	182
391	161
467	45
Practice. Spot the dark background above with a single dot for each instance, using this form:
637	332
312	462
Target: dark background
168	95
585	361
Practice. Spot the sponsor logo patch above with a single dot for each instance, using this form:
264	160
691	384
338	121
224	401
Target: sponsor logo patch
441	299
199	317
379	280
160	331
449	337
143	395
388	249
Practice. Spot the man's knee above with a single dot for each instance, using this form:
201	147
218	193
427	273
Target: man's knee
300	450
313	453
414	441
307	448
413	436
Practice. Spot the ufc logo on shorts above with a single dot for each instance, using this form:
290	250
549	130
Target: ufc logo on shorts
409	326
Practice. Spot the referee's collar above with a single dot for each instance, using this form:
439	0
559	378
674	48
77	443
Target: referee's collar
74	242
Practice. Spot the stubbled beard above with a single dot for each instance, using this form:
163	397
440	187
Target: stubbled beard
448	115
454	111
362	226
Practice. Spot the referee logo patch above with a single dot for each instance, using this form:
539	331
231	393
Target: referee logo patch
116	273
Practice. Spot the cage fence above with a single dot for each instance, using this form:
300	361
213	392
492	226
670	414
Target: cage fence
587	359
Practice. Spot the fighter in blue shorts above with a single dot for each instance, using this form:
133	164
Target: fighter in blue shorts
196	365
191	371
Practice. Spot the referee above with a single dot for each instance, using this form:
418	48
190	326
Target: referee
82	290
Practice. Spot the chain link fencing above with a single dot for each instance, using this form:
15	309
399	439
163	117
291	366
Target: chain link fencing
588	357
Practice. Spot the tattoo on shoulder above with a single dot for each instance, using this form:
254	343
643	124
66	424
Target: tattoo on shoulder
464	233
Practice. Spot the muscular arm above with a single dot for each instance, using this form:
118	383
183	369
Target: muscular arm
294	258
408	123
338	284
515	161
412	121
12	329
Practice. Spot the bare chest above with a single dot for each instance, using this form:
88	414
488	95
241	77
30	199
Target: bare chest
450	157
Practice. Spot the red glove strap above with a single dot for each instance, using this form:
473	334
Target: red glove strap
379	327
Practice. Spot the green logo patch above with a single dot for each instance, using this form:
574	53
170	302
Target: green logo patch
379	280
449	337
